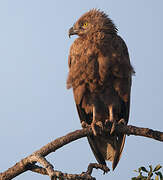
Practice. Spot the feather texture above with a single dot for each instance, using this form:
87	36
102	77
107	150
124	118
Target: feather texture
100	75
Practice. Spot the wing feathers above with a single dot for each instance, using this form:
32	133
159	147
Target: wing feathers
101	76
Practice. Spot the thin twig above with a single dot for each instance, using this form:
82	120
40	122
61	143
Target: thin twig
104	168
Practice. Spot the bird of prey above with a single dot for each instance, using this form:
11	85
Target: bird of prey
100	74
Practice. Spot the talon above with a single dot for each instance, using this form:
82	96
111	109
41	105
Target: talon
97	128
84	124
101	127
107	122
122	121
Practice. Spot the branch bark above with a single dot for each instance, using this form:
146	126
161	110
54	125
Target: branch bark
29	162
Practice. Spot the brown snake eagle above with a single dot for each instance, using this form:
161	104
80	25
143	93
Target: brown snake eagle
100	75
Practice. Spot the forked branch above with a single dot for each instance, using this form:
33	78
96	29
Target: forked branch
29	163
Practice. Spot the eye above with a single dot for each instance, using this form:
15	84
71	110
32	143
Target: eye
84	24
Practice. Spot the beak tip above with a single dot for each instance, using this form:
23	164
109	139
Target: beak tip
70	32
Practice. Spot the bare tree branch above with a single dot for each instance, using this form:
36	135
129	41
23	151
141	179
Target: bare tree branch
44	163
28	163
138	131
97	166
37	169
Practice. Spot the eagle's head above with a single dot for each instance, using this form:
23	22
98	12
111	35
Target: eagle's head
91	22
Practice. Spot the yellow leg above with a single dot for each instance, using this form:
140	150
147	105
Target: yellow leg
112	119
111	113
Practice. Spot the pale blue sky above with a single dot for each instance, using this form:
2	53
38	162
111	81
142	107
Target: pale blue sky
36	107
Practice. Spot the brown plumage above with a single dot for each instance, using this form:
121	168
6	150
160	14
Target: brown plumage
100	75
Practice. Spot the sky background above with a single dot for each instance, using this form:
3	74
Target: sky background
36	107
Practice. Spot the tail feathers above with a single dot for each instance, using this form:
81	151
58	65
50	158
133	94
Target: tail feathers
107	148
96	151
118	153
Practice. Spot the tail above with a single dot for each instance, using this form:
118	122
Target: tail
107	148
120	144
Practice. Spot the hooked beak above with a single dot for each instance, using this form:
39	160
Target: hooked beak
72	31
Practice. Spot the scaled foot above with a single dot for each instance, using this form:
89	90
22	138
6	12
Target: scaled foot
110	125
84	124
122	121
97	127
